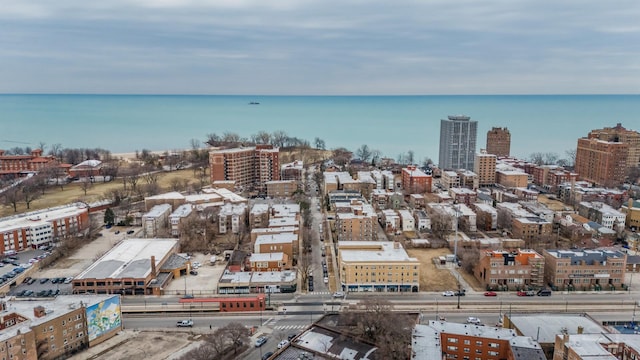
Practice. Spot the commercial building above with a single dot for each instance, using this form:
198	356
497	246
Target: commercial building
485	168
377	266
57	328
272	261
602	162
510	270
620	134
499	141
457	143
250	282
415	181
42	227
585	270
133	266
249	167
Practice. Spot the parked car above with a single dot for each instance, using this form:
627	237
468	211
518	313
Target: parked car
526	293
283	343
130	232
326	280
448	293
544	292
68	280
460	293
490	293
260	341
44	280
193	272
267	355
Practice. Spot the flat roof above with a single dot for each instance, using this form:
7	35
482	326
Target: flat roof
158	210
277	238
54	308
372	251
277	256
41	217
131	258
545	327
182	210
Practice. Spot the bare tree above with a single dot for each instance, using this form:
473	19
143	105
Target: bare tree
440	224
55	150
363	152
11	197
341	156
305	268
29	192
237	334
279	138
86	184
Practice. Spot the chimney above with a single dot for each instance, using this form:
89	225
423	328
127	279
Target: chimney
580	330
39	311
153	266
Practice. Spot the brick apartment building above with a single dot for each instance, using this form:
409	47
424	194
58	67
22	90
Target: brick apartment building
249	167
485	168
281	188
620	134
415	181
499	141
598	269
602	162
512	178
510	270
531	228
358	222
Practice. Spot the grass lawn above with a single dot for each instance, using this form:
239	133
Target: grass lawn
53	196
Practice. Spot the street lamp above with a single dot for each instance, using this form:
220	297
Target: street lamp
459	291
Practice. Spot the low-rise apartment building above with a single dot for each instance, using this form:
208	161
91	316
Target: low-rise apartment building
632	212
231	218
359	223
286	243
57	328
292	171
178	217
598	269
450	179
531	228
449	340
510	270
415	181
463	195
266	262
512	178
602	213
486	217
281	188
377	266
156	220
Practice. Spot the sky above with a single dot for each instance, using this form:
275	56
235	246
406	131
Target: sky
320	47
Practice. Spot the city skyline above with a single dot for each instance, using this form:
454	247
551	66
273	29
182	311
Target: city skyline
319	48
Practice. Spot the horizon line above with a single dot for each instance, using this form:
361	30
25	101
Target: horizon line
307	95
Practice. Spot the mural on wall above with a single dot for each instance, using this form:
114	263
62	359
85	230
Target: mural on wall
104	317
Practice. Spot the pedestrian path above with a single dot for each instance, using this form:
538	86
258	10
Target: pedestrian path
269	321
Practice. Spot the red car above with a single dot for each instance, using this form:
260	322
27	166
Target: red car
526	293
490	293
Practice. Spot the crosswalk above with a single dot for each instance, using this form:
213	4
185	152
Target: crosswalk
320	292
269	321
290	327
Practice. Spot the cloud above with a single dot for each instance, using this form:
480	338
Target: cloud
355	47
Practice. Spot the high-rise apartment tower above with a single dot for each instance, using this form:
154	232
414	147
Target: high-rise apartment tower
457	142
499	141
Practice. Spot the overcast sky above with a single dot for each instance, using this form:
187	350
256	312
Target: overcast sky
320	47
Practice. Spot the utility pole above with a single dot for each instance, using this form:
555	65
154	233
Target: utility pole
459	291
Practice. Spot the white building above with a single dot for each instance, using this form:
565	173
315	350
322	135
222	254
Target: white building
181	213
155	220
407	220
